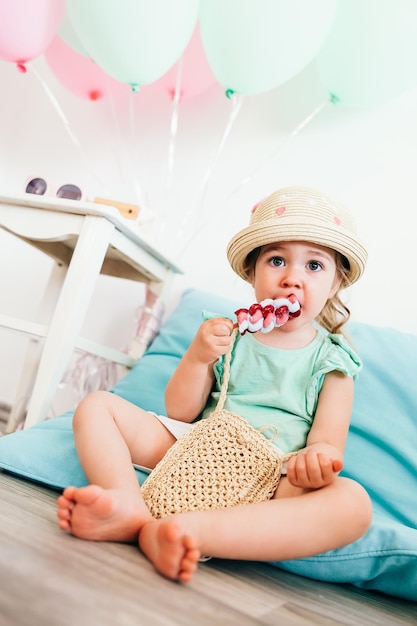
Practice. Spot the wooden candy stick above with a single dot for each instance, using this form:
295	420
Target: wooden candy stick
266	315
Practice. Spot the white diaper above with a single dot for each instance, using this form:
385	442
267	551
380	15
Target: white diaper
175	427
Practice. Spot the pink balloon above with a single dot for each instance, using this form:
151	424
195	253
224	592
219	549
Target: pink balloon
79	73
27	27
196	76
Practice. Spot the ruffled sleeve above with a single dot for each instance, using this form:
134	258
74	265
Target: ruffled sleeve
209	315
340	355
336	354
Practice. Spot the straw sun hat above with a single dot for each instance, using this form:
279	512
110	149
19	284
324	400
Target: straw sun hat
299	214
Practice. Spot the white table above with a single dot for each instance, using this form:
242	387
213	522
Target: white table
85	239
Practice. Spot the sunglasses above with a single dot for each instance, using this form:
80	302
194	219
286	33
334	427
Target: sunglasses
38	186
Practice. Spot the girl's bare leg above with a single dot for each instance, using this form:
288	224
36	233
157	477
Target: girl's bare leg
293	525
110	434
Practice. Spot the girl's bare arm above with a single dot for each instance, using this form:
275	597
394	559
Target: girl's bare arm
319	462
188	389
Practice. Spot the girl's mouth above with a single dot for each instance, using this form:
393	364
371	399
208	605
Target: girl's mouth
267	315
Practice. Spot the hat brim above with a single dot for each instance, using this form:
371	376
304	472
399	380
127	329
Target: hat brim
266	232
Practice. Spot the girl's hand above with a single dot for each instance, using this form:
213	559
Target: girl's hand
310	469
211	340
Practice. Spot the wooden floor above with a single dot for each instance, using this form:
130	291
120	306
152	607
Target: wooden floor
49	578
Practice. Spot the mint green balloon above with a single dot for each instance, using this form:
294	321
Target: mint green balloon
134	41
67	34
256	45
370	56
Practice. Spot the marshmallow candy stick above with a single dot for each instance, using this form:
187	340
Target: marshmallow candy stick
267	315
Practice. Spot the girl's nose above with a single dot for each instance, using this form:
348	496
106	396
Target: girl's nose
291	277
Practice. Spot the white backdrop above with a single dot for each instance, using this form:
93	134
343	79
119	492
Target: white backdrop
124	148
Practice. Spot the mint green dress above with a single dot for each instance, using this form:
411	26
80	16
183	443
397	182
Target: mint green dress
281	387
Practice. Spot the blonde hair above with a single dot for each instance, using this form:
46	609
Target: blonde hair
335	313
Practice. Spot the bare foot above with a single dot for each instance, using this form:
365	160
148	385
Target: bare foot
101	514
174	554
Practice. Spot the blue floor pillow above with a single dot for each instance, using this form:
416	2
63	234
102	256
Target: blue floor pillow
380	453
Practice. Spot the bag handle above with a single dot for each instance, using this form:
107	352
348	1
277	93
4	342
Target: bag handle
225	384
226	372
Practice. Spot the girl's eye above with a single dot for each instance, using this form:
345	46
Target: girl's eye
314	266
276	261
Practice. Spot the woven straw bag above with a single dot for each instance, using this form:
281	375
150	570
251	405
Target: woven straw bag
222	461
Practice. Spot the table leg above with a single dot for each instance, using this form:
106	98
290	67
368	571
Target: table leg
34	349
69	314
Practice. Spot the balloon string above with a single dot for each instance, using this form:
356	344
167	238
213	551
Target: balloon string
121	170
281	146
237	101
293	133
174	123
67	126
160	222
132	118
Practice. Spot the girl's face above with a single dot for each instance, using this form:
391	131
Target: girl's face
302	269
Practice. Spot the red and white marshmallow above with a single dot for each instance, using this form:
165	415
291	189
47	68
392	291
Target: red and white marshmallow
267	315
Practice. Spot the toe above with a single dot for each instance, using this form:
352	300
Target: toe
64	503
187	573
195	555
69	493
63	514
88	495
64	524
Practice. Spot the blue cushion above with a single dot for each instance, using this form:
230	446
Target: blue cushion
381	455
380	450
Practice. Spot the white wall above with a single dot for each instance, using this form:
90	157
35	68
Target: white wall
364	158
